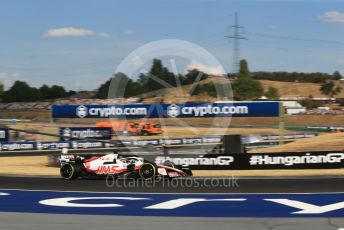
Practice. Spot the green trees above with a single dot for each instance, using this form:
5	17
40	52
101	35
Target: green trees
310	103
132	88
330	89
244	71
336	75
272	93
103	90
157	78
192	76
52	92
22	92
205	89
245	87
129	88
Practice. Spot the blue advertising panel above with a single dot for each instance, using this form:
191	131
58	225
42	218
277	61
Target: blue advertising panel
79	133
235	109
53	145
4	135
13	146
50	145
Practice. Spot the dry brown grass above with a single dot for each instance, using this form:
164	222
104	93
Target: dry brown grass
291	89
182	94
26	114
185	132
286	89
36	166
43	128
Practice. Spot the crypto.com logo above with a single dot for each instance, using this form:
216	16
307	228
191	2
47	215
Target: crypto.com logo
174	53
66	134
173	110
81	111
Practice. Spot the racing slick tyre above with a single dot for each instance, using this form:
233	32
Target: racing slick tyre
70	171
147	171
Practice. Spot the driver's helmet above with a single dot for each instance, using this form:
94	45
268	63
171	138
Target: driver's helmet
131	160
169	163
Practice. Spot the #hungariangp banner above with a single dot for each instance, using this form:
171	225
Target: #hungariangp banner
189	110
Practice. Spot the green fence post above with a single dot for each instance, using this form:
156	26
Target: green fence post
281	123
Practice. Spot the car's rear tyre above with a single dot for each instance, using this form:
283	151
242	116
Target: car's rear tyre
147	171
69	171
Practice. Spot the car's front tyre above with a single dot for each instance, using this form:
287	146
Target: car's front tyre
187	172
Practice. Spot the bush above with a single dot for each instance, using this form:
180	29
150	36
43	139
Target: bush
309	103
246	88
211	89
272	93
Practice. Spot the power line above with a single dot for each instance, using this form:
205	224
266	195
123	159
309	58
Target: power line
295	49
236	37
295	38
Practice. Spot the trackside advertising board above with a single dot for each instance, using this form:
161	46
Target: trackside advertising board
4	135
256	161
31	145
79	133
235	109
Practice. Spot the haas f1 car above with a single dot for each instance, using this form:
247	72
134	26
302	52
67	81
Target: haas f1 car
75	166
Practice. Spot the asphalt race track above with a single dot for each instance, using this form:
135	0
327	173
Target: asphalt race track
229	203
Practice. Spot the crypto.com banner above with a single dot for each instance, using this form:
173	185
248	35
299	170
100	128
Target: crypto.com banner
90	133
236	109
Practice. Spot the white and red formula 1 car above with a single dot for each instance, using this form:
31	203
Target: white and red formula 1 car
75	166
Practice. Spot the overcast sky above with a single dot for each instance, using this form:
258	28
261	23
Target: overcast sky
79	43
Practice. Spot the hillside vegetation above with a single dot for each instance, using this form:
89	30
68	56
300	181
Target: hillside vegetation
285	89
298	89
